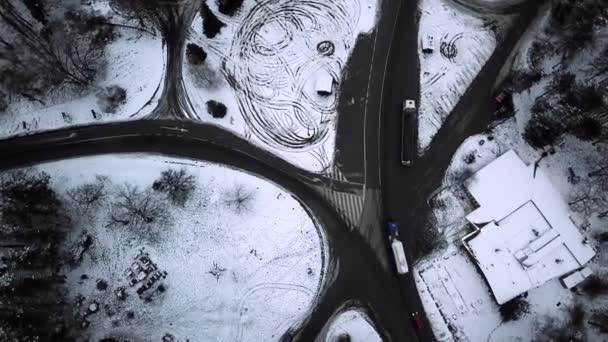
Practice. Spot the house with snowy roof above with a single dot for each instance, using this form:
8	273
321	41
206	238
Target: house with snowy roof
523	234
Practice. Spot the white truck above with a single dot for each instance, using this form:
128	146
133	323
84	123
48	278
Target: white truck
397	247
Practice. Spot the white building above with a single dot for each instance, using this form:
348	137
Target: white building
523	234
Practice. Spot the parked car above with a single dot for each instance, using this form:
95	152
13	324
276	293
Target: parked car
504	102
157	275
128	273
397	248
142	289
151	268
145	260
409	144
500	97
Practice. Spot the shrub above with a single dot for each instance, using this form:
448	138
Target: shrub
540	106
470	158
594	286
111	98
216	109
586	98
229	7
600	320
522	80
37	10
542	130
177	185
239	198
89	195
428	240
101	285
514	309
211	24
136	209
539	51
602	237
195	54
587	128
577	315
553	330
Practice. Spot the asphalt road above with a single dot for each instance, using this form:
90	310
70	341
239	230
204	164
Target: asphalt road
401	82
405	190
354	272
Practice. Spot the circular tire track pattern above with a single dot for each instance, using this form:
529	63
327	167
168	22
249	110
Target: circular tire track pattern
279	51
447	48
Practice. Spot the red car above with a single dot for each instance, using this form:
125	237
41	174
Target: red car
500	97
416	320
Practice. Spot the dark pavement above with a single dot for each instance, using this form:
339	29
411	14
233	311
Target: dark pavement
401	82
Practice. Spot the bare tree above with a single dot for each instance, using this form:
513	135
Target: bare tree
177	185
574	22
89	195
239	198
600	63
589	198
600	320
136	209
599	177
152	15
57	46
538	52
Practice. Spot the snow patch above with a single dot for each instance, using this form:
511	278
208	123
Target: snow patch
454	45
135	63
246	275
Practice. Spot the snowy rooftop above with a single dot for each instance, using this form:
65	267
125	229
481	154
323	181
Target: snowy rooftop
527	237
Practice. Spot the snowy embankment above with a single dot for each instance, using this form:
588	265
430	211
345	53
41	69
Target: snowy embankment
454	45
134	61
274	79
244	260
354	325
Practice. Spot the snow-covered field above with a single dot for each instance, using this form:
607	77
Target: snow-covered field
243	257
265	68
135	62
454	45
353	323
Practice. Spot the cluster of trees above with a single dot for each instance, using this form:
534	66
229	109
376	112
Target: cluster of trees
33	226
48	44
570	105
591	194
144	211
572	329
177	185
514	309
575	23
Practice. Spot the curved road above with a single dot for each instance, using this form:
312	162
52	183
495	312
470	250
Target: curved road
358	274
